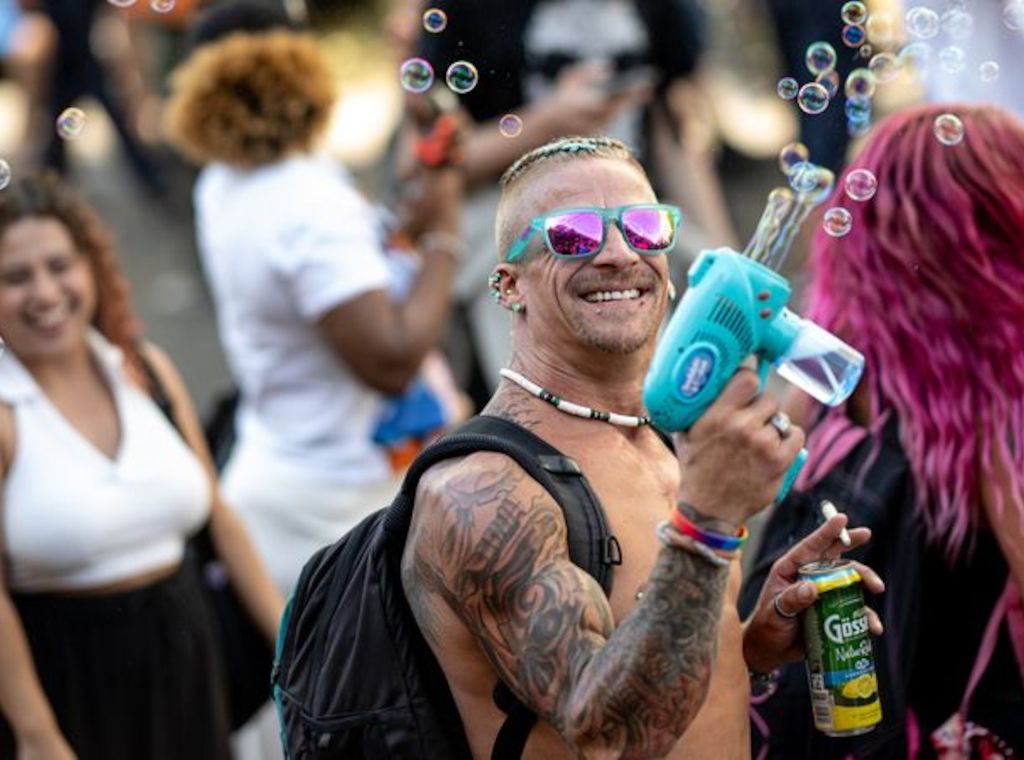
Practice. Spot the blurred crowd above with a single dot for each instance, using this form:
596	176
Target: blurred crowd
322	187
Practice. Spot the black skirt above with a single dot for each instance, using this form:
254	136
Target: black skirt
130	675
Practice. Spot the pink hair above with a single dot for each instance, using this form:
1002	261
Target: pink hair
929	285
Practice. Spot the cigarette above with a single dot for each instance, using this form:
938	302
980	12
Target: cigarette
829	510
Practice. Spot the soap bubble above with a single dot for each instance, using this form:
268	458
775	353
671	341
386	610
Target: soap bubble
830	81
510	125
858	109
461	77
812	98
416	75
952	59
880	29
162	6
854	12
865	51
860	83
853	35
5	174
858	128
957	23
922	22
837	221
820	57
948	129
885	67
792	155
434	20
861	185
811	181
916	57
1013	14
121	3
988	71
787	88
70	123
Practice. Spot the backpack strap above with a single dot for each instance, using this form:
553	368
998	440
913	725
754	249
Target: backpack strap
591	544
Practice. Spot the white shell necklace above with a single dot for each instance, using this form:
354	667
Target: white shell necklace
577	410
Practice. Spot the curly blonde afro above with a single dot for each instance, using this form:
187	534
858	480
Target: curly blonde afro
250	99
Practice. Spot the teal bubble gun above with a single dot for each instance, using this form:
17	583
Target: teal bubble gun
735	307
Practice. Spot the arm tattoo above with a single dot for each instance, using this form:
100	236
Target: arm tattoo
491	545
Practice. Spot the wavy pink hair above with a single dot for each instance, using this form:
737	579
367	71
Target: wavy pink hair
929	285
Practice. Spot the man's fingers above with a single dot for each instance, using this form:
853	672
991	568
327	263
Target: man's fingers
812	548
794	599
874	622
872	581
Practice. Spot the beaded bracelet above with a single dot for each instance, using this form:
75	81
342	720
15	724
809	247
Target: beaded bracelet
670	537
443	242
708	538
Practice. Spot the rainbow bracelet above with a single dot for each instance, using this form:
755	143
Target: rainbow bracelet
716	541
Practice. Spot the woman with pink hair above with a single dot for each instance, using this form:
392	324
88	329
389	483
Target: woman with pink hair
929	451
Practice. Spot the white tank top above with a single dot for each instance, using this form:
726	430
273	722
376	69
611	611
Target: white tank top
74	518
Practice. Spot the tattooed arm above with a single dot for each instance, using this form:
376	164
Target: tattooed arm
490	543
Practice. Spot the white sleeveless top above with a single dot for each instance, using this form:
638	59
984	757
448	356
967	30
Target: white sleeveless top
74	518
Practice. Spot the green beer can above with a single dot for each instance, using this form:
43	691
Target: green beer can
840	662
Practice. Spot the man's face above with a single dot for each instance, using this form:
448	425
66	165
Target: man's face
567	302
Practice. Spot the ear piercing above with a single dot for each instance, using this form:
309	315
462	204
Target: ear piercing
671	291
494	285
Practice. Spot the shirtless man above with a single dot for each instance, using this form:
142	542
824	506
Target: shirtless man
659	669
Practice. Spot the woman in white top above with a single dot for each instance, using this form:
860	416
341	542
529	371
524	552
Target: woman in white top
106	644
301	283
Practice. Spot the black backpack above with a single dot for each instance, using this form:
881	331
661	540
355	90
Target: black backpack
353	676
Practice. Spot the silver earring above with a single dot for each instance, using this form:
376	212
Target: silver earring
517	308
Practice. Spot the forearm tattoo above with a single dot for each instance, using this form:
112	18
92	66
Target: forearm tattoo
491	546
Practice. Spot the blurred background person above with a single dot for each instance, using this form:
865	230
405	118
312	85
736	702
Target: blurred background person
28	43
929	450
549	68
107	649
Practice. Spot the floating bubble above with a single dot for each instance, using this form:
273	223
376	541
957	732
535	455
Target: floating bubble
853	35
858	128
162	6
1013	14
922	22
5	174
861	185
787	88
957	23
70	123
510	125
865	50
854	12
792	155
858	109
121	3
830	81
988	71
948	129
434	20
916	57
416	75
880	29
811	181
860	83
837	221
812	98
820	57
952	59
885	67
461	77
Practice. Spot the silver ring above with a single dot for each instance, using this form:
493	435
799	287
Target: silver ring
781	612
781	423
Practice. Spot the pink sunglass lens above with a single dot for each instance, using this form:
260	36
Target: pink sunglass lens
576	234
648	229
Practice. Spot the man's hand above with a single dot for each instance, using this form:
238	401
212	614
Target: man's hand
769	639
732	460
49	746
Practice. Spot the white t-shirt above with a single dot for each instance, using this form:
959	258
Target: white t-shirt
281	246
